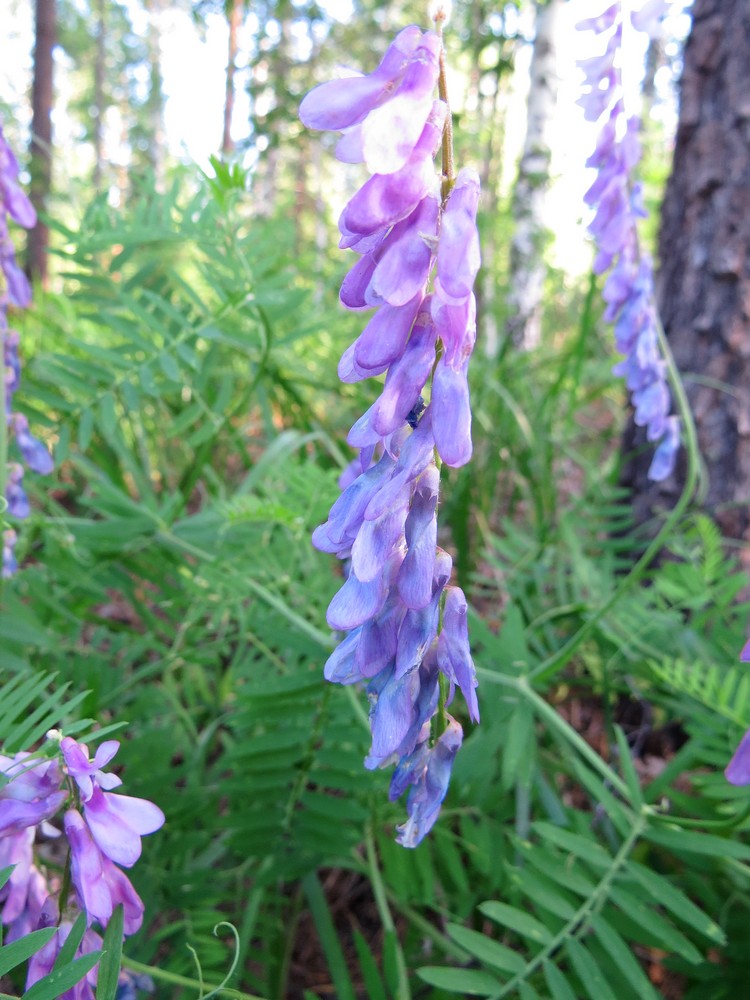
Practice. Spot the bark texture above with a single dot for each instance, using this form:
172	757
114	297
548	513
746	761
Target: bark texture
41	133
527	268
234	20
704	249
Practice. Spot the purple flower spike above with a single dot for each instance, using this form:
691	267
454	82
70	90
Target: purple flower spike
617	205
416	234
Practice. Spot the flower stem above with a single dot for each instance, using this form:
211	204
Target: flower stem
449	176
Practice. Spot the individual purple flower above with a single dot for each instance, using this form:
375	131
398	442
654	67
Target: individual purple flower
9	563
416	237
616	202
738	770
42	963
116	822
428	771
100	884
29	791
24	894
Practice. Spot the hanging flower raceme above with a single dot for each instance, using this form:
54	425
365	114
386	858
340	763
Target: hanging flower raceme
14	292
616	201
415	234
103	832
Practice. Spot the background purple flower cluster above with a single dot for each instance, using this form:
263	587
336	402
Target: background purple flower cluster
14	292
103	833
406	628
616	200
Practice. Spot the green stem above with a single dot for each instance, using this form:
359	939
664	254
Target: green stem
381	901
448	164
546	712
171	977
577	923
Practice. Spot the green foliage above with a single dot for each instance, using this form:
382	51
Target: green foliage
186	380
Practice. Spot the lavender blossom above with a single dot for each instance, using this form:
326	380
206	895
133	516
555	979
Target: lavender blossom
29	792
116	822
103	833
616	201
24	894
14	292
418	257
42	963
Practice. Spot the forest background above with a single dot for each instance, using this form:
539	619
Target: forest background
180	361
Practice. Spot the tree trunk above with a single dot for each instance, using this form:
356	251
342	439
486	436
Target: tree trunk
234	18
99	100
527	268
41	134
704	248
155	105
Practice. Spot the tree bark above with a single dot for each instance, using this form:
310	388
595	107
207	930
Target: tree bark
234	18
157	152
41	134
99	99
704	280
527	268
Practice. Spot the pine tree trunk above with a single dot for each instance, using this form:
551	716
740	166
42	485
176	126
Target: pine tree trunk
234	18
527	268
704	248
41	133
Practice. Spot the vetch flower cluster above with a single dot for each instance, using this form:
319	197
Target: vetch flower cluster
616	200
415	234
14	292
103	832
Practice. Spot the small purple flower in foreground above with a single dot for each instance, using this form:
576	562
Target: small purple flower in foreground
616	200
104	833
408	229
116	822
